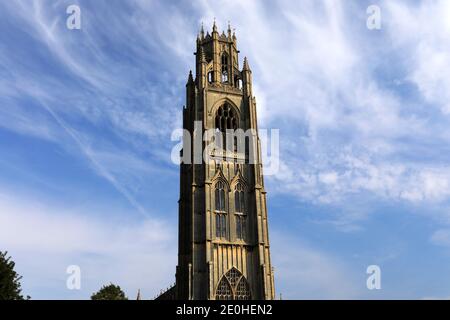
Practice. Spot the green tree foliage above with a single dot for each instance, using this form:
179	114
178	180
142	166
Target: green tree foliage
9	279
109	292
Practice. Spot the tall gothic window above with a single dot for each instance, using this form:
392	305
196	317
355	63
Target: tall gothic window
221	217
221	225
233	286
224	67
240	217
239	198
220	196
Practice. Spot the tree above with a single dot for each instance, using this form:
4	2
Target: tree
9	279
109	292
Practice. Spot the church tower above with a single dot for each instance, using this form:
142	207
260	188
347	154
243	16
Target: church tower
223	229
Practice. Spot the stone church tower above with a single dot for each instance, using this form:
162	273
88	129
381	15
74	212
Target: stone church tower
223	228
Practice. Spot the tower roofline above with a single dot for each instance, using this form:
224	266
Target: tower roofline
228	35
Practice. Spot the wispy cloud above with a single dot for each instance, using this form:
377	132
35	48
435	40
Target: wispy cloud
47	239
321	275
363	116
421	31
347	124
94	86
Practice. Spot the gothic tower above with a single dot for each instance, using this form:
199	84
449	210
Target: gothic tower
223	229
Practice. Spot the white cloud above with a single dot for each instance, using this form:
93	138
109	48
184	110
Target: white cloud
327	88
360	173
44	239
323	74
422	31
328	177
91	87
319	274
318	76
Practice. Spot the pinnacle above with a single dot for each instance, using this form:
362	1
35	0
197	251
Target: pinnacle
246	66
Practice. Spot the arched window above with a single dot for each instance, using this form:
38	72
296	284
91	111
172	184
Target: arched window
221	216
223	291
221	225
240	213
233	286
226	121
220	197
242	290
224	67
233	275
226	118
239	198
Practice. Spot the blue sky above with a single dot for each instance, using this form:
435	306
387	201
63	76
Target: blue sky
86	118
